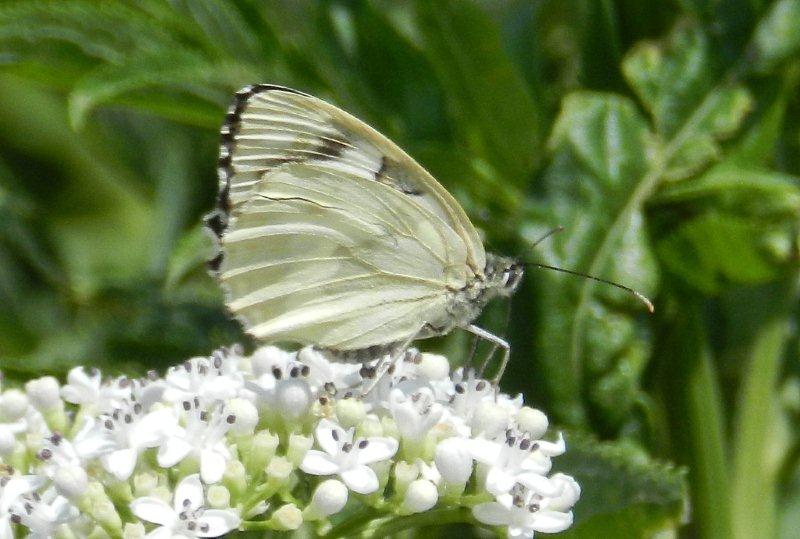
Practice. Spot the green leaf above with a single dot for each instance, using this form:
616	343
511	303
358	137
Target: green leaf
677	84
173	71
730	179
494	114
623	493
713	249
776	38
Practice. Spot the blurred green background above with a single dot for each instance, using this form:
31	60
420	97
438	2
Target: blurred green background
665	137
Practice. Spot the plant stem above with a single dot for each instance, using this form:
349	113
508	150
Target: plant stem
753	492
699	415
383	527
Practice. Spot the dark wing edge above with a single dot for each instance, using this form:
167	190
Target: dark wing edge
216	222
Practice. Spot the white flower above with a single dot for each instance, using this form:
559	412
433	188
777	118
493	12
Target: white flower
203	437
187	517
524	512
284	390
416	414
11	488
517	460
89	443
132	431
324	373
347	458
215	378
42	515
468	395
86	388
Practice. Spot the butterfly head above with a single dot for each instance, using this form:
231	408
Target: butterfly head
504	274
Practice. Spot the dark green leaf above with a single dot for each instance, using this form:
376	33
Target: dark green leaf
495	117
624	494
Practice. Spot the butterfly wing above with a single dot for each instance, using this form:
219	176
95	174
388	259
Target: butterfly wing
331	235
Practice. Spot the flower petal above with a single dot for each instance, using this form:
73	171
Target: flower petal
491	513
219	522
318	463
120	463
154	427
172	451
16	487
361	479
160	533
552	521
484	451
190	488
377	449
5	528
499	481
154	510
212	465
540	484
325	439
553	449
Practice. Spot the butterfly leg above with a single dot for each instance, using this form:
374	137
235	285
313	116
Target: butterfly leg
386	364
497	342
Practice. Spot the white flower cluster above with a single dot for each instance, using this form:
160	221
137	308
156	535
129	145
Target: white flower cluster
269	442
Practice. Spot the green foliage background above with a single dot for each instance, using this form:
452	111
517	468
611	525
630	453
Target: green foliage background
665	138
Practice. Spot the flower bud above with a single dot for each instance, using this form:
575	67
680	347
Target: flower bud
279	469
370	427
329	498
420	496
44	393
350	412
287	517
532	421
434	367
144	483
261	451
235	477
162	493
298	447
218	497
13	405
133	531
490	419
71	481
453	461
7	442
293	399
106	515
246	416
404	474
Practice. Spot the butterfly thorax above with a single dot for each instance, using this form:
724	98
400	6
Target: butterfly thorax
501	277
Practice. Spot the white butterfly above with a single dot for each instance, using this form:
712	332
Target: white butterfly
331	235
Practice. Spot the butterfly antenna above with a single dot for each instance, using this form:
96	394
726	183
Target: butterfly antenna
556	230
641	297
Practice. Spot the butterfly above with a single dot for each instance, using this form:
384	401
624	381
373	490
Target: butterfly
329	234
